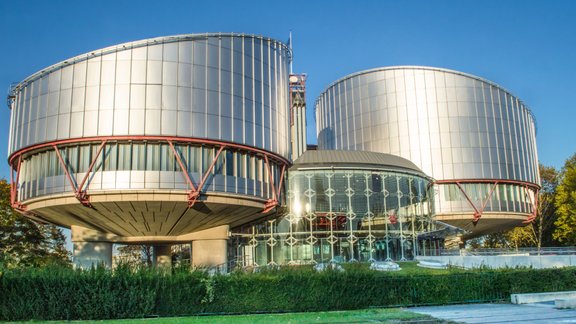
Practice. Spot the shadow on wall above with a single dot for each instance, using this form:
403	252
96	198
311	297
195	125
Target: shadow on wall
327	139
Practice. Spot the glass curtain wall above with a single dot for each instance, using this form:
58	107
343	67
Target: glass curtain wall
146	165
342	216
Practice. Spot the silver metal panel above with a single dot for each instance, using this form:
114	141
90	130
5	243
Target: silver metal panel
51	128
222	87
154	72
109	180
153	96
138	72
169	122
92	97
184	126
137	179
184	98
121	121
105	122
170	73
152	125
170	98
63	126
76	124
152	179
122	179
137	96
106	97
137	117
90	123
464	110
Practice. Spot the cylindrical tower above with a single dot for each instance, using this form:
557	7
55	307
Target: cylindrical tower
473	137
153	140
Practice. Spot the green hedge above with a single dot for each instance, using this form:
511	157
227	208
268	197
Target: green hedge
65	294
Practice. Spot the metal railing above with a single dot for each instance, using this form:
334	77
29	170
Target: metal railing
566	250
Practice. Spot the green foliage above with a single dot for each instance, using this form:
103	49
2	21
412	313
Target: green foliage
565	202
544	224
25	243
540	231
64	294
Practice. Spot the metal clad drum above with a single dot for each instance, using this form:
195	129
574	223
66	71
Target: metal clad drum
452	125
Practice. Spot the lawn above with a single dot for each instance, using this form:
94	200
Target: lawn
388	315
408	268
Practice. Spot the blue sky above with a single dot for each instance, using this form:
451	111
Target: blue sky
528	47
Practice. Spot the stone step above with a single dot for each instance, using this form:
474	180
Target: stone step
542	297
565	303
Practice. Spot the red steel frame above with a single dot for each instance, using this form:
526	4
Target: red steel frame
479	210
80	190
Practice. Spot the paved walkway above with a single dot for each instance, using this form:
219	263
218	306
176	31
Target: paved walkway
500	313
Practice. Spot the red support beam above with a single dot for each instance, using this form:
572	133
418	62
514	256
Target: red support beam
501	181
279	190
207	172
14	202
79	191
193	195
534	204
270	178
65	167
275	201
479	211
174	139
12	186
81	186
182	167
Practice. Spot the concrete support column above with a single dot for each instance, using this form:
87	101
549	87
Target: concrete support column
162	256
210	253
210	248
90	248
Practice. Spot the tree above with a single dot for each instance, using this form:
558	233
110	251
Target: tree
539	232
543	225
56	246
135	255
25	243
565	202
495	240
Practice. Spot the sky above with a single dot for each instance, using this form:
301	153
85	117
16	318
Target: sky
528	47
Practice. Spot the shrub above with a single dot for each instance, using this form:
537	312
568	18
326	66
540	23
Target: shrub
66	294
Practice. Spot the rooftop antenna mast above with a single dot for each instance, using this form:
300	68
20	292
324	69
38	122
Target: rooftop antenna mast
290	46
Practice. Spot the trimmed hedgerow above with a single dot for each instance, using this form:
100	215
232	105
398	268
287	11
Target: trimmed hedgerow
65	294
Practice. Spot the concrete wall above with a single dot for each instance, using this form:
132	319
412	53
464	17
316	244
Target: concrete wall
503	261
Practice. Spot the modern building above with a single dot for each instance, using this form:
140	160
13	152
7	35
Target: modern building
161	141
298	114
474	138
345	206
201	139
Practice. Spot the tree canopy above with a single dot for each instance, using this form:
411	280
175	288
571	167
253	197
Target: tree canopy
565	202
24	242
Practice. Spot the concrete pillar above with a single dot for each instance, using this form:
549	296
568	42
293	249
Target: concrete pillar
162	256
90	248
210	253
210	248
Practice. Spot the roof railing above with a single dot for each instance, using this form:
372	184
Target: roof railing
11	94
565	250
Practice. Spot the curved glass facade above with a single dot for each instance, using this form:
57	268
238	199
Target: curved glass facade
148	165
342	215
452	125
